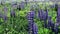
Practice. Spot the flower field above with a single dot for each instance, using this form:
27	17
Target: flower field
29	18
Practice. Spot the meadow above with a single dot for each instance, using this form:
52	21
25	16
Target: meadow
16	18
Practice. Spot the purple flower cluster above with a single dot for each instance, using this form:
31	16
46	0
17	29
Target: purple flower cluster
32	26
43	15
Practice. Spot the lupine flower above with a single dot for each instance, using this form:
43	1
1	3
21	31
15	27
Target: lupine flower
58	15
45	23
32	14
46	17
32	26
12	13
58	21
35	29
42	14
50	23
46	14
57	24
56	28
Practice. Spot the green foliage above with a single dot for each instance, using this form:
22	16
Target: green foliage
19	24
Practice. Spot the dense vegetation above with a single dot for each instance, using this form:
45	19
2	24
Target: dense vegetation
14	18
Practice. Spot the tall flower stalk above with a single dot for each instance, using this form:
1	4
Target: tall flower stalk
32	26
50	23
43	16
58	20
58	15
56	29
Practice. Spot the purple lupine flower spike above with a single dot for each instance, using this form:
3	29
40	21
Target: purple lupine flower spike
46	13
40	14
58	21
32	26
43	16
56	28
50	23
12	13
46	17
58	15
35	29
45	23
